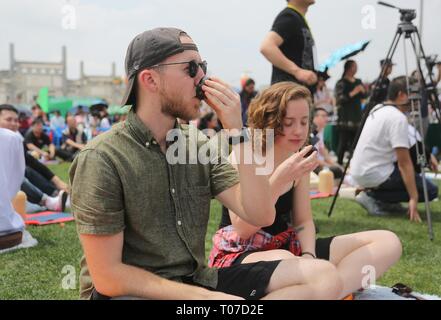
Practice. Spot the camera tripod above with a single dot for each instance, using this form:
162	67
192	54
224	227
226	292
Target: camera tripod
410	32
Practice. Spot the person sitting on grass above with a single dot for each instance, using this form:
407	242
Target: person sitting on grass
142	219
320	121
74	140
36	140
285	108
12	167
40	184
382	163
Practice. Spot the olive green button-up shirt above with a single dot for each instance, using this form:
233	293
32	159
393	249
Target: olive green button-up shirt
122	182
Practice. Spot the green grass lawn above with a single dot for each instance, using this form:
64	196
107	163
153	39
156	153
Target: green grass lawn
37	273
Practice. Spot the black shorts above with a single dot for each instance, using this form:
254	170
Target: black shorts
322	250
248	280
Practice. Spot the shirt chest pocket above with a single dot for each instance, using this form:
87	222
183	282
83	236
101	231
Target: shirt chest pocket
195	204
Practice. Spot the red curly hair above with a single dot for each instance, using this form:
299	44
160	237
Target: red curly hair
268	109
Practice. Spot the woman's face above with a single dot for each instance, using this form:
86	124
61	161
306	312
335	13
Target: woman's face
295	126
353	69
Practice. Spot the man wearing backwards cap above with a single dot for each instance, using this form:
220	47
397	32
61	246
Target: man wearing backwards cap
142	221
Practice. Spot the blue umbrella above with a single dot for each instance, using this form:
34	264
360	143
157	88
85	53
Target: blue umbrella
75	109
342	54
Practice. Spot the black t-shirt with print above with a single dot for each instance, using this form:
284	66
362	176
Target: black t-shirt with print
40	142
298	43
75	136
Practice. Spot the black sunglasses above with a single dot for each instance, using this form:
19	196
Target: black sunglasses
193	66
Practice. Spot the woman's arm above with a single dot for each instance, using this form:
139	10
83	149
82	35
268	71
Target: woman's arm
281	181
302	216
246	230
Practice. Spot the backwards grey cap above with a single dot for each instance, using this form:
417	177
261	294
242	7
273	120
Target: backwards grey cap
148	49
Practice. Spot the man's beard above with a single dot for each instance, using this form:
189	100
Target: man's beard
173	105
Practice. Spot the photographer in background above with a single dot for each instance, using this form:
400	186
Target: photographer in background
382	162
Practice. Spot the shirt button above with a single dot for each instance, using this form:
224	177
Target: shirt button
179	222
147	144
173	191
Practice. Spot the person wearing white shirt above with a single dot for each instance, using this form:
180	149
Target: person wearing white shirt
382	163
12	170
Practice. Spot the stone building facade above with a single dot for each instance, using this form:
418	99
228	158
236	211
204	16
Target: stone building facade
22	82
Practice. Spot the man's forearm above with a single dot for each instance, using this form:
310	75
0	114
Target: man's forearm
33	147
74	144
408	175
126	280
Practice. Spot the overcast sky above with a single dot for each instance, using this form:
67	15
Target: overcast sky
228	32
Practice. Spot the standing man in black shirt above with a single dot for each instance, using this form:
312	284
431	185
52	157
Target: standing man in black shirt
290	47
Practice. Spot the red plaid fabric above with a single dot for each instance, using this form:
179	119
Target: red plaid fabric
228	246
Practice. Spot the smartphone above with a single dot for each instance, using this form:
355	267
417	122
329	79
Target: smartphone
310	152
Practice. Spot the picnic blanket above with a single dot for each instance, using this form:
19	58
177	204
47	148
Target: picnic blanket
314	194
48	217
385	293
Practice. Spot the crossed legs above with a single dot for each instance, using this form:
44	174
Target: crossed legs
300	278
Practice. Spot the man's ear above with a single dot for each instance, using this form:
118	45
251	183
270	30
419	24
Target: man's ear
402	95
148	79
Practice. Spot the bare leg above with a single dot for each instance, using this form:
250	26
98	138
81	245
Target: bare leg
299	278
352	252
60	184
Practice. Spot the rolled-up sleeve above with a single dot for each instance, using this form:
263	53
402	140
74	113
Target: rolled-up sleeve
222	174
96	196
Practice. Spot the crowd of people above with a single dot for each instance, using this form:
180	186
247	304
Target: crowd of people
38	132
133	208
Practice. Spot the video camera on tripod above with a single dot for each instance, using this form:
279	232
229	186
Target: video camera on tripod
423	84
